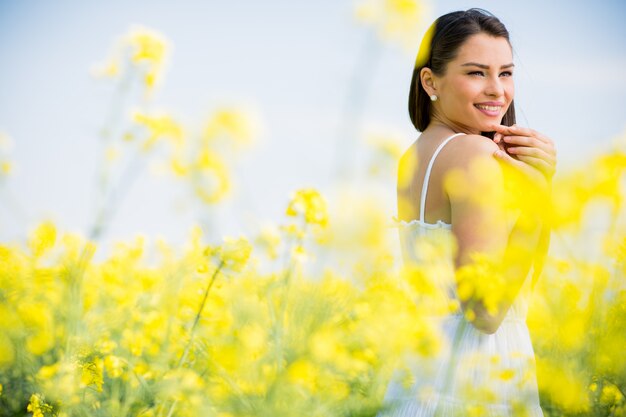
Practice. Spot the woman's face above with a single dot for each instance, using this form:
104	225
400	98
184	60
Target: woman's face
477	88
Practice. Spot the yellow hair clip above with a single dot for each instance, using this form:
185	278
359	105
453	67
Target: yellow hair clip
424	51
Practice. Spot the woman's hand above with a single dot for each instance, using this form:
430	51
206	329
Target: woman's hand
533	156
529	146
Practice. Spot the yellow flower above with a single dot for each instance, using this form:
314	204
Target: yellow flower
158	127
507	374
304	373
147	44
231	123
563	386
6	143
395	20
309	203
482	281
7	351
38	406
210	177
42	238
114	366
92	374
141	49
387	150
5	167
269	239
293	230
179	168
323	345
611	395
235	252
254	338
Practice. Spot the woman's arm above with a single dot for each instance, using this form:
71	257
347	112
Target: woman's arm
476	190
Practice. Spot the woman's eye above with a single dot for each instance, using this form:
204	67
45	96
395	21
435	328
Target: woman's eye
475	73
507	74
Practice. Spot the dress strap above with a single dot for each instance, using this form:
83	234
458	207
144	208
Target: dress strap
427	176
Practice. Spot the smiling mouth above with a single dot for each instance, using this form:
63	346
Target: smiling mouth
488	108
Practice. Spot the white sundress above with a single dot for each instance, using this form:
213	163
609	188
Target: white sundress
480	374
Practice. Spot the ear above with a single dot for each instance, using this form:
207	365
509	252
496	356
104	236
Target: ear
428	81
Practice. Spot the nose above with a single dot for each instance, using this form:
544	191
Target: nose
494	87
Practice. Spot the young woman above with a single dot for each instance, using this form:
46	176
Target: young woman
452	180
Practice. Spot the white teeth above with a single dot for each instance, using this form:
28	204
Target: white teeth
490	108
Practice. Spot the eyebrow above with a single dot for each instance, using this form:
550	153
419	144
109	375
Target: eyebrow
468	64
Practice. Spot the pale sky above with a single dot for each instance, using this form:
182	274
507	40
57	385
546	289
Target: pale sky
290	60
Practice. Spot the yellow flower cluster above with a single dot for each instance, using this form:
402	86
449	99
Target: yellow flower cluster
394	20
309	204
142	50
159	126
156	341
184	338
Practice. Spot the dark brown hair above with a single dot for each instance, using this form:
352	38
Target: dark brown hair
447	35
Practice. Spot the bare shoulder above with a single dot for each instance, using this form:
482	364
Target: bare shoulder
468	148
471	162
475	145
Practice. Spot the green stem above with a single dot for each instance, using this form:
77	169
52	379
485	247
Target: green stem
197	318
280	320
193	329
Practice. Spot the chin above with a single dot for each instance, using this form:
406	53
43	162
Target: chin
482	127
485	126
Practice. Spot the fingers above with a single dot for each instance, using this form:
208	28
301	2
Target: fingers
530	151
530	141
538	163
526	146
525	163
522	140
521	131
505	157
536	157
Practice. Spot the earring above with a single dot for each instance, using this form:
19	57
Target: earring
433	97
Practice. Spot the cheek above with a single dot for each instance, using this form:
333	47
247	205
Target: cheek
510	90
465	91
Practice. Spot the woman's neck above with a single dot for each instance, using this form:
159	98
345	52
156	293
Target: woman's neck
436	121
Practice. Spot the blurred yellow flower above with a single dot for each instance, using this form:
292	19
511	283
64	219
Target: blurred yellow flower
209	177
114	366
304	373
309	203
141	49
234	253
269	239
387	149
42	238
158	127
611	395
234	124
7	351
6	167
395	20
6	143
39	407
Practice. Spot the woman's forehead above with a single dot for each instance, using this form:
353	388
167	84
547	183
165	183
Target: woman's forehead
485	49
